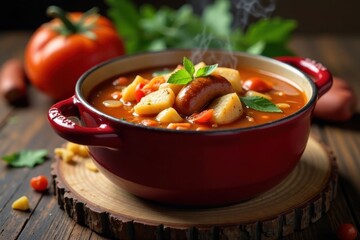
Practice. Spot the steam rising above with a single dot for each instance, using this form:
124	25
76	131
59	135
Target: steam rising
251	8
243	11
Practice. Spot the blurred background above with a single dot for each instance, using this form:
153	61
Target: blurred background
314	17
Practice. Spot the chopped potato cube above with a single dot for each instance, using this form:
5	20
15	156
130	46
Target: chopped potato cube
155	102
169	115
232	75
227	109
21	204
175	87
128	93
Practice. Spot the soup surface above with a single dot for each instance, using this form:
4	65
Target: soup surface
146	97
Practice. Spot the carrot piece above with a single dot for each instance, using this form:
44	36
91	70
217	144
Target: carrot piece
202	117
256	84
149	123
153	85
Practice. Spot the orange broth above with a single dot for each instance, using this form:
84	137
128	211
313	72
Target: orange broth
283	92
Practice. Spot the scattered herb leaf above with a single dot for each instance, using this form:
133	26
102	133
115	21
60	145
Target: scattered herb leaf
260	104
187	74
26	158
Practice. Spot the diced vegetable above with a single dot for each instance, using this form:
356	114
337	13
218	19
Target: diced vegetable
256	84
155	102
139	93
21	204
202	117
232	75
128	93
227	109
175	87
153	85
169	115
39	183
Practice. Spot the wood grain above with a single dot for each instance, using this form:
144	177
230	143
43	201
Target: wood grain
301	199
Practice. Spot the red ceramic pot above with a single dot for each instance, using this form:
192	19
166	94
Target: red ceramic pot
198	168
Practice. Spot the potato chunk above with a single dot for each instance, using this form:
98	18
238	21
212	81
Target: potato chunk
232	75
155	102
169	115
128	93
227	109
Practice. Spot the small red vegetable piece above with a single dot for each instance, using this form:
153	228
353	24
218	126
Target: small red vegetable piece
39	183
256	84
346	231
139	94
202	117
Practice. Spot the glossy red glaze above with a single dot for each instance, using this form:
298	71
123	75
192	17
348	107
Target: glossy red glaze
206	168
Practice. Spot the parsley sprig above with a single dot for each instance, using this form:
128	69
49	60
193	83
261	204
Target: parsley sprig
188	73
26	158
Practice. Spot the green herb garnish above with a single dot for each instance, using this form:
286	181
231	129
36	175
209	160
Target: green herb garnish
260	104
188	73
26	158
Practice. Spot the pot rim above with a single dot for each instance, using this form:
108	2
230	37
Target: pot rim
303	110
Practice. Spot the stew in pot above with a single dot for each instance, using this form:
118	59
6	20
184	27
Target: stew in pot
198	97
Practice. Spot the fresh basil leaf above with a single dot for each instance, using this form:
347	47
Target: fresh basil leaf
180	77
205	71
260	104
26	158
189	66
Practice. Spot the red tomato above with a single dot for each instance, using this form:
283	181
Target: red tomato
346	231
256	84
139	93
60	51
39	183
202	117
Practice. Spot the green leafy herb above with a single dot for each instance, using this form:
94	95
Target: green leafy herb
187	74
149	29
260	104
26	158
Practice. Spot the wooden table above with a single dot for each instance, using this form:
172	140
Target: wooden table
27	128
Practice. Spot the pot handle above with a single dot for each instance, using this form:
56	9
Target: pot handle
58	117
321	76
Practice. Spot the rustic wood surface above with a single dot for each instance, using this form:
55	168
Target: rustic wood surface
27	128
92	200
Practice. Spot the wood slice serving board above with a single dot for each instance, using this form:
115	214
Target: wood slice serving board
301	199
